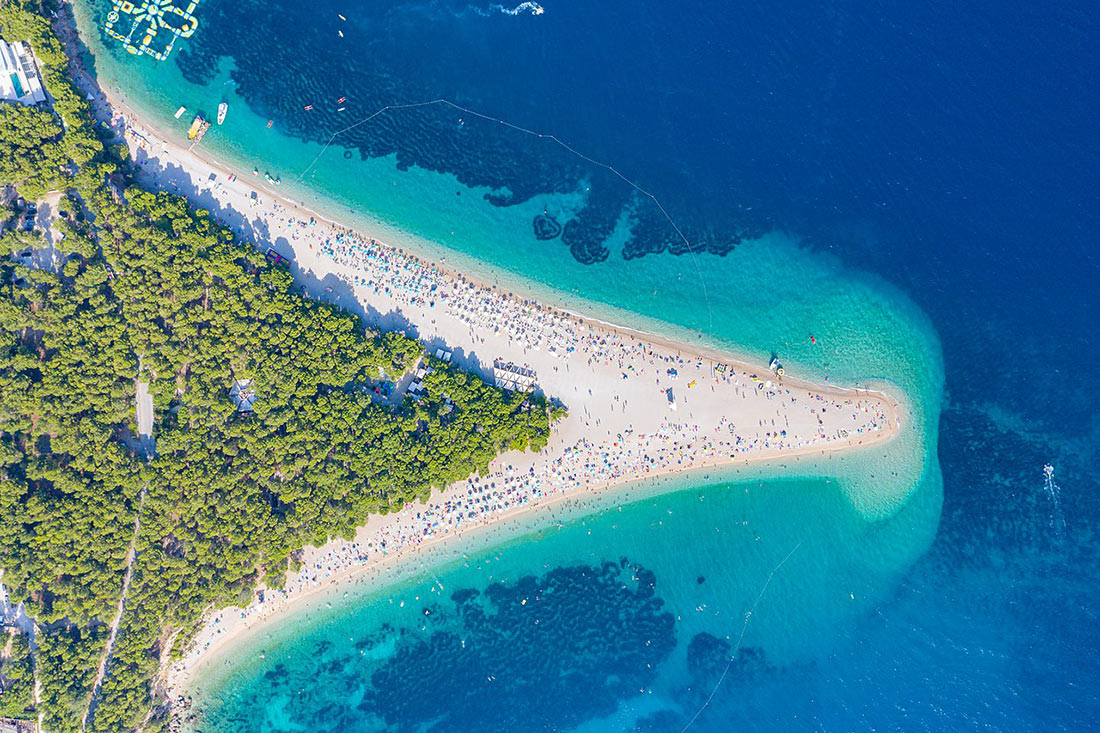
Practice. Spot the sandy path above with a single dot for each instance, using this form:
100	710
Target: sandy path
101	670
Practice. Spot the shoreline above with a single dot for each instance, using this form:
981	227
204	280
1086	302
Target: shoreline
435	255
718	353
653	345
391	569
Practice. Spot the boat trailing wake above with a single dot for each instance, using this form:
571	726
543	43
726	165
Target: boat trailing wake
1057	519
531	8
436	9
525	8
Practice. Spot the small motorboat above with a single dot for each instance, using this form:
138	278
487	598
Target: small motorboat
222	109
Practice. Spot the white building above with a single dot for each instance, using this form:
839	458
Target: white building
19	80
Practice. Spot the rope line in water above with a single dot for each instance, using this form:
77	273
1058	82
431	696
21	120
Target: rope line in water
737	648
541	136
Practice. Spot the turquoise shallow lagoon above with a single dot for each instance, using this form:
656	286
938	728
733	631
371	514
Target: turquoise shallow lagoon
626	618
604	618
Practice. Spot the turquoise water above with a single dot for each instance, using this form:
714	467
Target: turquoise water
767	296
643	642
705	553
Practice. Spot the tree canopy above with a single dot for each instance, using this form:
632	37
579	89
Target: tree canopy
155	291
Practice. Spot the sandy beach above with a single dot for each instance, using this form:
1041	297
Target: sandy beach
640	406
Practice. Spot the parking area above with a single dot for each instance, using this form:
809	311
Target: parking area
38	216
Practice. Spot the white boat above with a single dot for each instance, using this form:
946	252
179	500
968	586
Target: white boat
180	111
222	109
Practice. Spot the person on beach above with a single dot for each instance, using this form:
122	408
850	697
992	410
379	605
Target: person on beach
621	392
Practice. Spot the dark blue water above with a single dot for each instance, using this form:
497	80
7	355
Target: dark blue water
949	147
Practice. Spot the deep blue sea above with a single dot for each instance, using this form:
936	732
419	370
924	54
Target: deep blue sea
948	148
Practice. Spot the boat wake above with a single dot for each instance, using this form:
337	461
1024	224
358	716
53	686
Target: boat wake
433	8
1057	519
524	8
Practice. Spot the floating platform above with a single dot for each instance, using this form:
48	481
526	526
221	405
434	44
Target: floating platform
151	27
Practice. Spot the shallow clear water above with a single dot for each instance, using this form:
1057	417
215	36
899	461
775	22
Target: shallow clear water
946	150
611	617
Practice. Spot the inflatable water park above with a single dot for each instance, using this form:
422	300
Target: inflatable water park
151	27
